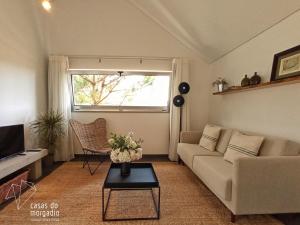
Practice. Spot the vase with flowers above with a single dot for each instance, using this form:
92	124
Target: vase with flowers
221	84
125	150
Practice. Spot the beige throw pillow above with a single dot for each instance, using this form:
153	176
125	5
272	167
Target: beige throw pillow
242	145
210	137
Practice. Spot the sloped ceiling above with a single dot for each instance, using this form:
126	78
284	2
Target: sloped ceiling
211	28
215	27
103	27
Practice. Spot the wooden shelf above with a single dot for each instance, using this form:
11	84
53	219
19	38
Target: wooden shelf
271	84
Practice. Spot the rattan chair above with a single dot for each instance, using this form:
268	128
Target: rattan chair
93	140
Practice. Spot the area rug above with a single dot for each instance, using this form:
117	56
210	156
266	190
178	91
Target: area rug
71	196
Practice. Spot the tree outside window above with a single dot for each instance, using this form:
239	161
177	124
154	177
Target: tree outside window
116	90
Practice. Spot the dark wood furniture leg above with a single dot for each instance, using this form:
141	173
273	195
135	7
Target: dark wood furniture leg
179	160
233	218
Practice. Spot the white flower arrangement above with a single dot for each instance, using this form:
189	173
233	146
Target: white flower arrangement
125	148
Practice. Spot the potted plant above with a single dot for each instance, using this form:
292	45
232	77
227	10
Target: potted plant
49	126
220	83
125	150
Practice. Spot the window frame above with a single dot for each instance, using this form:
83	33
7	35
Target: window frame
119	109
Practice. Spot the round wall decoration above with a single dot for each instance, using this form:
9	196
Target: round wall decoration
184	88
178	101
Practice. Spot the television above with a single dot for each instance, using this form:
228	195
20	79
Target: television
11	140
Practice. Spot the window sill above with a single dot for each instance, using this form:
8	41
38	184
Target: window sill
121	110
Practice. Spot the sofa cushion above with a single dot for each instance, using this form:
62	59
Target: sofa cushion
279	147
242	145
274	146
210	137
224	139
188	151
216	173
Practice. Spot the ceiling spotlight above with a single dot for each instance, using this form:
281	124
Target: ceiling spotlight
46	5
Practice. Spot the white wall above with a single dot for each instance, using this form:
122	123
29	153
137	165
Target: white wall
22	66
199	94
151	127
117	28
273	111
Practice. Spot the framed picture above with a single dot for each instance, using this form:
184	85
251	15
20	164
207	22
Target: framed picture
286	64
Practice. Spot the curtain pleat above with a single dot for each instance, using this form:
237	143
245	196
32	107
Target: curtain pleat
59	99
180	73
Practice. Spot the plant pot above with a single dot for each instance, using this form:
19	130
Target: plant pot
48	160
125	169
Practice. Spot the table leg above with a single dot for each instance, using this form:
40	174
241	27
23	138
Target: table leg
158	212
105	206
156	203
103	213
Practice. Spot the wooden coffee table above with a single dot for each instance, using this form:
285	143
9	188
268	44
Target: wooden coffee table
142	177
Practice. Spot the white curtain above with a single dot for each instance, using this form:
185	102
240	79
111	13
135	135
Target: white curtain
59	100
180	68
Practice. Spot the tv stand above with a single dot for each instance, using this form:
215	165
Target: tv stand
31	160
21	153
34	150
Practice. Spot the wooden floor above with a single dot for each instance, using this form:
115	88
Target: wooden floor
184	197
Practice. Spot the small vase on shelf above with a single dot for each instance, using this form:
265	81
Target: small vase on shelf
255	79
245	82
220	83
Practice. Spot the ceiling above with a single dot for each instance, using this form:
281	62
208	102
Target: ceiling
103	27
213	28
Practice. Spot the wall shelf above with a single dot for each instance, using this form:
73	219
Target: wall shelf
271	84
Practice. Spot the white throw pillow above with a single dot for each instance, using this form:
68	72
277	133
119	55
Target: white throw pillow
210	137
242	145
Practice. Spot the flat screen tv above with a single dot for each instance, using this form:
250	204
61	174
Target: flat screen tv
11	140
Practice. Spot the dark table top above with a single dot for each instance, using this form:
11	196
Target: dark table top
142	175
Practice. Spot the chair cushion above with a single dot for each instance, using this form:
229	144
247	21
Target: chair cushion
242	145
216	173
224	139
210	137
188	151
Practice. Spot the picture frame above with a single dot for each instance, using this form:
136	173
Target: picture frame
286	64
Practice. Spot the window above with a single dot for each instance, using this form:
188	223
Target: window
130	91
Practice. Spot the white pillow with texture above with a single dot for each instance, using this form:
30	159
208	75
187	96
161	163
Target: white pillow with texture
242	145
210	137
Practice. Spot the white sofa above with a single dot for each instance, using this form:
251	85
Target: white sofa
266	184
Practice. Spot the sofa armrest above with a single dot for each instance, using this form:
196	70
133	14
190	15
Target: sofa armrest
190	137
266	185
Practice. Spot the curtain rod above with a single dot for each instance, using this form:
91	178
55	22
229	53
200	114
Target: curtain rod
120	57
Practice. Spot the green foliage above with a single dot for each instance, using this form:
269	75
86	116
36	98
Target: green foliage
49	126
124	142
95	89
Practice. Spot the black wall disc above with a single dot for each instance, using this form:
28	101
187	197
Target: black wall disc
184	88
178	101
